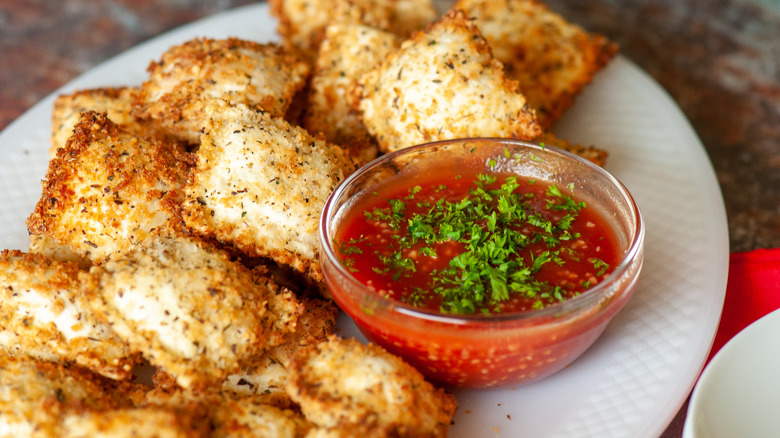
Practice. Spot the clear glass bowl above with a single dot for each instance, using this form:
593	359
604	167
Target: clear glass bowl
481	350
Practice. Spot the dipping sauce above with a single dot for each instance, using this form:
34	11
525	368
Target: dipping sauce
463	258
464	243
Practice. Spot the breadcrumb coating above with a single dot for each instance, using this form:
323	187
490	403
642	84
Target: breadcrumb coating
105	191
35	396
116	102
43	316
48	247
302	23
347	52
189	75
266	377
247	418
260	185
188	420
551	58
342	383
443	84
189	309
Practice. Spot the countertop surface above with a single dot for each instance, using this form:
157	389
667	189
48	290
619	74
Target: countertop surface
718	59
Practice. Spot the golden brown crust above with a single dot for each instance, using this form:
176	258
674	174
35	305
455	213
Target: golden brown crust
345	384
302	23
551	59
116	102
247	418
184	421
104	191
189	75
442	84
347	52
51	249
45	317
191	310
35	396
260	185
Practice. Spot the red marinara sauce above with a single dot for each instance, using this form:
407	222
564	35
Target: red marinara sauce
471	242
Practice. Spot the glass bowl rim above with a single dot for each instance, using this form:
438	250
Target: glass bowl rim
570	306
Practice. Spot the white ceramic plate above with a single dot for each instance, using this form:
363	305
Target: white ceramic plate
633	381
739	392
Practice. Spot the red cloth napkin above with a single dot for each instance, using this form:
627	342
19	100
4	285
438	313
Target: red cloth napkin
753	291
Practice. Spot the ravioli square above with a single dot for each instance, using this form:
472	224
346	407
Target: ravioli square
260	185
346	53
43	316
443	83
189	75
190	309
117	103
551	58
108	190
302	23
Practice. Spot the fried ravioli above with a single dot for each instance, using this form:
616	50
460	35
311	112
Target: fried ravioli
36	395
302	23
266	377
443	84
551	59
105	191
344	384
260	184
43	316
189	75
247	418
188	420
48	247
116	102
347	51
190	309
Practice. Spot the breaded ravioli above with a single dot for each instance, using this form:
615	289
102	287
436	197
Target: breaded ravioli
443	84
265	378
50	248
43	315
341	384
187	421
347	52
247	418
189	75
551	59
190	309
228	415
35	396
302	23
105	190
260	185
116	102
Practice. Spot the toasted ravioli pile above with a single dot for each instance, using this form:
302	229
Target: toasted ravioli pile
172	285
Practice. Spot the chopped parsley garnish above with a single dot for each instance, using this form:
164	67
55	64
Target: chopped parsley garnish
502	235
